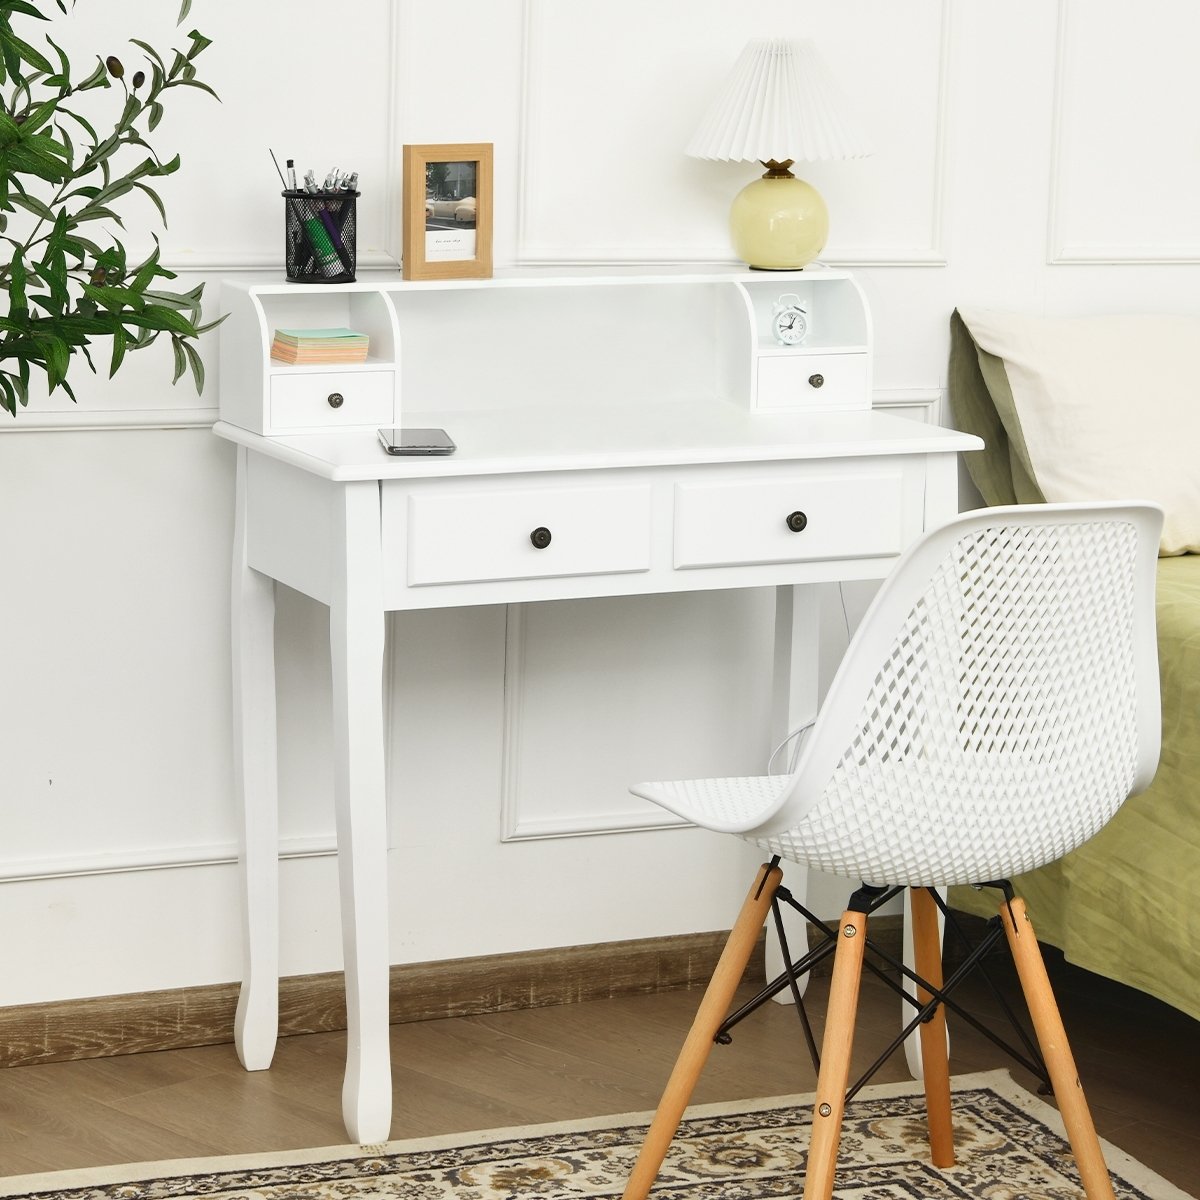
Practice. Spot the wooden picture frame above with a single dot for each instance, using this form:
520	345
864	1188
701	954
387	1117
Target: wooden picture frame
448	211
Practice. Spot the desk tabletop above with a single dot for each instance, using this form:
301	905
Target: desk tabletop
574	438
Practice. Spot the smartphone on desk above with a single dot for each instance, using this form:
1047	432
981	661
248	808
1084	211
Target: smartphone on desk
416	441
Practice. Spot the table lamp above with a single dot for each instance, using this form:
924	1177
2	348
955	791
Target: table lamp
778	106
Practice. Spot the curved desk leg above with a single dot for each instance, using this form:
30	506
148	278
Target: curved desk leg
356	627
795	695
256	781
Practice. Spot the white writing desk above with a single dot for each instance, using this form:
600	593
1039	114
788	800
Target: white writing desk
540	505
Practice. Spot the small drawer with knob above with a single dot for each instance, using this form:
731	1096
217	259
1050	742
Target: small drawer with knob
331	400
475	536
812	382
853	514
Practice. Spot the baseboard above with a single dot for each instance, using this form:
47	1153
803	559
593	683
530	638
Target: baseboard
103	1026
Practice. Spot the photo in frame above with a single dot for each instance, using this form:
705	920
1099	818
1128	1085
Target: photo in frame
448	211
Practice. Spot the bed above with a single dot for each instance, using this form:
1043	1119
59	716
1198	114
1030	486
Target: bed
1107	408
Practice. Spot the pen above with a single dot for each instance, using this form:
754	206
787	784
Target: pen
335	237
277	170
291	170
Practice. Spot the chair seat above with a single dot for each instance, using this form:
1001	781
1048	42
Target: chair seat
998	814
730	805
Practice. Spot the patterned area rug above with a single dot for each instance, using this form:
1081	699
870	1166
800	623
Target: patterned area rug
1010	1147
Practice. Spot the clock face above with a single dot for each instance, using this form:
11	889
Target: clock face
790	325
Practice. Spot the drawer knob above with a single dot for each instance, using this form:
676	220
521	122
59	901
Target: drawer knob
796	521
540	537
336	399
816	380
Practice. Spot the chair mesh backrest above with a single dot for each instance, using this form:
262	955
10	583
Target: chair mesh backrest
1001	730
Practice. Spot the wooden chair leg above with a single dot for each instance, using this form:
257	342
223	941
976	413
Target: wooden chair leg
927	953
835	1057
1052	1038
712	1011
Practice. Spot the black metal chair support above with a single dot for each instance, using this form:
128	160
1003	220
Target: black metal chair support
866	900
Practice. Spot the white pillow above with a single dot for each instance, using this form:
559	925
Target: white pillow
1109	408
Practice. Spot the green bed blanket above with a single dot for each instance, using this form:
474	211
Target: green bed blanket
1126	904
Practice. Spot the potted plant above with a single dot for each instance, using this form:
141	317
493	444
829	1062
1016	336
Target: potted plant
64	177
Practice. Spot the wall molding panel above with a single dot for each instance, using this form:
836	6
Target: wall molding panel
1062	247
155	858
517	823
535	250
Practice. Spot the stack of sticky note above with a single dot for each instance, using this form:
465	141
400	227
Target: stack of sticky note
319	346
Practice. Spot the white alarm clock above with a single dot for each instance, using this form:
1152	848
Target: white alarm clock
789	320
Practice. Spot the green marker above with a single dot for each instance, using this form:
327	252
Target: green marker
320	242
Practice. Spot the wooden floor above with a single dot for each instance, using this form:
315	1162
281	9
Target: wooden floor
1139	1060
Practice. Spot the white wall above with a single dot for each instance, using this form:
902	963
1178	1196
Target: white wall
1029	155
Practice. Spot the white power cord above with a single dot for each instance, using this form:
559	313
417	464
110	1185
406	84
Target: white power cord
795	755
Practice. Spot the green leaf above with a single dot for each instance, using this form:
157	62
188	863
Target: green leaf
39	208
156	114
115	299
10	131
64	63
81	247
212	324
17	301
133	106
12	60
174	300
162	212
97	79
28	10
58	358
118	187
118	350
196	83
68	144
23	381
87	125
103	151
92	213
197	365
35	58
38	117
199	43
8	394
146	272
150	50
184	9
21	158
181	363
158	316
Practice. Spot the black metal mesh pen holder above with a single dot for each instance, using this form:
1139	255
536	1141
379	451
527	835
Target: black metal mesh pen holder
319	236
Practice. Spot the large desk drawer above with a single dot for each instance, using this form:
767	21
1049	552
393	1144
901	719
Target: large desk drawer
533	533
855	514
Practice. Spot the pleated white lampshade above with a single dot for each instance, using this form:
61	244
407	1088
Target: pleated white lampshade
778	102
778	106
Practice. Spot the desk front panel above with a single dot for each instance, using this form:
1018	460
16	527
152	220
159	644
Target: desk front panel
465	541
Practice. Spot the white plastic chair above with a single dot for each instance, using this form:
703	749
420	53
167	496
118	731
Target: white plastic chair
995	708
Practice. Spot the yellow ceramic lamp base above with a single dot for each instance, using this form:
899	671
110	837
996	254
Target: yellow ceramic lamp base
779	223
